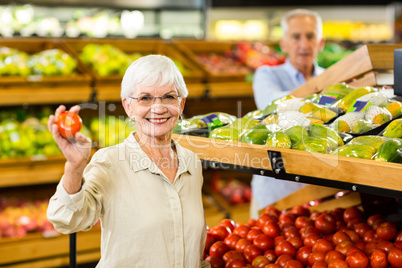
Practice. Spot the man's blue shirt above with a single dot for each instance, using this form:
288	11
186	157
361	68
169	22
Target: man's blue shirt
274	82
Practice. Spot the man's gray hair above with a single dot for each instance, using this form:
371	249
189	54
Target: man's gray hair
152	70
300	13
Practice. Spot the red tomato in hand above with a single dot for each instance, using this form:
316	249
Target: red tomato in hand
68	123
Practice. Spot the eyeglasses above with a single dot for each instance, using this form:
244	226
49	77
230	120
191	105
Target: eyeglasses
148	100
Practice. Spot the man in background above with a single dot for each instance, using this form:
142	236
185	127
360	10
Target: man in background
302	40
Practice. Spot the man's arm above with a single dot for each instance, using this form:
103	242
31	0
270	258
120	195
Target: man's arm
266	87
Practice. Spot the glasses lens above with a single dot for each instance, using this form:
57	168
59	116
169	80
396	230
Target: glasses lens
145	100
170	99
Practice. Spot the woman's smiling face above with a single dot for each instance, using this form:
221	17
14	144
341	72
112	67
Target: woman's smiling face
158	119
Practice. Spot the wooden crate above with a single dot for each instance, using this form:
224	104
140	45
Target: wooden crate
318	198
36	251
143	46
193	48
369	65
80	78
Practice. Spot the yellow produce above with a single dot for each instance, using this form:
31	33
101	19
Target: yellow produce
371	140
309	108
272	119
348	100
394	129
356	151
395	108
278	139
361	126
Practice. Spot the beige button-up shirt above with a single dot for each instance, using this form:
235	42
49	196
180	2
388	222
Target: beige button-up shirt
147	221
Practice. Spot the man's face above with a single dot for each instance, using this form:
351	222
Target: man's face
301	42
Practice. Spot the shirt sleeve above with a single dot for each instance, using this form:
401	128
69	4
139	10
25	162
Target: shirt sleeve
266	87
82	210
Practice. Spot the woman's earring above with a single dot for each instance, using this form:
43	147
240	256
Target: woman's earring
131	121
181	117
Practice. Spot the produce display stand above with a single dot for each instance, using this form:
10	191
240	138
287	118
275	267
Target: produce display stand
142	46
36	89
193	48
357	175
363	67
36	251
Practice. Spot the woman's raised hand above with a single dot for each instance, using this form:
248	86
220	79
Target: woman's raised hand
76	150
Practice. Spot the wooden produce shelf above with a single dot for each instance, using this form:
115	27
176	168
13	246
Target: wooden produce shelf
354	174
80	78
35	251
21	172
378	57
230	89
142	46
44	95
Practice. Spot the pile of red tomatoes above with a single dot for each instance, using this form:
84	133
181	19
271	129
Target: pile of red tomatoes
297	238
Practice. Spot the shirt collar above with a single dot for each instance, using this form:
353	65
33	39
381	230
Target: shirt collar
295	73
139	160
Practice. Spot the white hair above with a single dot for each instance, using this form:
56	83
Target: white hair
300	13
152	70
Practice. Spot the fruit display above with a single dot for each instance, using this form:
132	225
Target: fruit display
109	130
107	59
20	217
232	190
243	58
24	135
300	238
51	62
331	53
202	124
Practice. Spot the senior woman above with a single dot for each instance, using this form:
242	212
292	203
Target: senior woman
147	190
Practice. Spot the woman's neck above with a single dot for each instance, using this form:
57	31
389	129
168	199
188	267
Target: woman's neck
156	146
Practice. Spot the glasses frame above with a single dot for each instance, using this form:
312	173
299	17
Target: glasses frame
161	98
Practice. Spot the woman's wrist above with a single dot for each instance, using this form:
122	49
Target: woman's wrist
72	180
